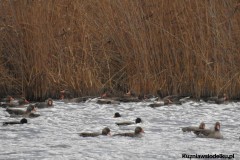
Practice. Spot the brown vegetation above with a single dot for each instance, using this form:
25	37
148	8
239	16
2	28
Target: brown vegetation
178	46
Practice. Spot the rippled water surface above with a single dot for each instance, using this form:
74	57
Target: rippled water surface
53	135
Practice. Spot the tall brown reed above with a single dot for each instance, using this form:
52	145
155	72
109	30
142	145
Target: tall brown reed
178	46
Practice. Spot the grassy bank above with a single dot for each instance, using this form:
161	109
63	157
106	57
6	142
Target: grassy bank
178	46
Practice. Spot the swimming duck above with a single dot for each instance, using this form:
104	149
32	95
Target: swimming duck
217	99
160	103
108	97
107	94
27	113
65	94
208	133
17	102
128	99
29	109
47	104
107	101
116	115
22	121
33	115
7	99
174	99
194	129
105	132
136	133
138	120
67	97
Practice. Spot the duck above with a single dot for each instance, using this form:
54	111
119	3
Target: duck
105	132
130	96
7	99
29	109
130	93
160	103
65	94
22	121
116	115
194	129
109	96
174	99
67	97
208	133
138	120
19	102
137	132
128	99
11	102
107	101
47	104
217	99
33	115
146	97
78	99
106	94
27	113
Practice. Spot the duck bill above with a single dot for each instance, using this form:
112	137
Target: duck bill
218	127
50	103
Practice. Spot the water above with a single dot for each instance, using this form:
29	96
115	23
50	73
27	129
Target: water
53	135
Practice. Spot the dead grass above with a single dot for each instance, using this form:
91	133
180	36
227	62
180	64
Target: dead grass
178	46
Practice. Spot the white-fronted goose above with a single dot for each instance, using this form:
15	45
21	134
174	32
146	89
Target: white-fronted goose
194	129
47	104
208	133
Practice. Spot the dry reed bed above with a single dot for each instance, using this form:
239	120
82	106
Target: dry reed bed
178	46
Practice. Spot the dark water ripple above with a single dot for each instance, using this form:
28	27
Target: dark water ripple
53	135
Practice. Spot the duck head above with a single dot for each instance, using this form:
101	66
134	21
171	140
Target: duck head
202	125
131	93
65	94
117	115
106	94
31	108
167	101
225	96
50	102
23	100
138	120
9	98
217	126
106	131
139	130
24	120
62	93
61	96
